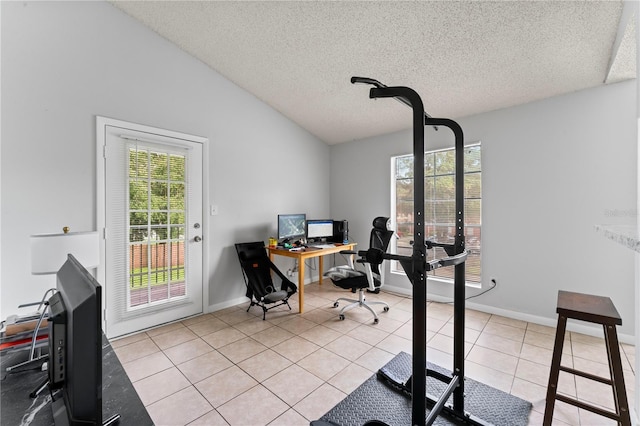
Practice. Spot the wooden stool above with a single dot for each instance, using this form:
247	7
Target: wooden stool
599	310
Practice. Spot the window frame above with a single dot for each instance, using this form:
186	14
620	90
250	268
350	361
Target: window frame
395	267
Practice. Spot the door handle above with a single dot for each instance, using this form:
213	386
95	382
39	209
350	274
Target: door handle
197	238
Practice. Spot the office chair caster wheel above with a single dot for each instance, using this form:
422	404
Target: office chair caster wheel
375	321
335	304
341	317
386	309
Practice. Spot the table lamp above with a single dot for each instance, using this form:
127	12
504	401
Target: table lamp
48	254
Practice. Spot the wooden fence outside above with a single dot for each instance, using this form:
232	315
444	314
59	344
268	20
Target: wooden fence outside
159	255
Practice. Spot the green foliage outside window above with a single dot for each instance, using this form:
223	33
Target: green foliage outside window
157	209
439	208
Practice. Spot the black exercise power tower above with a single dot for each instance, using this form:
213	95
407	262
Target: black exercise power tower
417	265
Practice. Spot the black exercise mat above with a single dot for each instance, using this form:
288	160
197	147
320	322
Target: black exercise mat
376	400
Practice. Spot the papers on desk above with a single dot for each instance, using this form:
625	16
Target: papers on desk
321	246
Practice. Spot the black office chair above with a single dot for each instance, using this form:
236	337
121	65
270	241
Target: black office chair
256	270
372	278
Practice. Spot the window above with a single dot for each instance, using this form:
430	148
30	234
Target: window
439	208
157	183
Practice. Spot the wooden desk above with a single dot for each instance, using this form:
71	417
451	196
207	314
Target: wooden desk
308	253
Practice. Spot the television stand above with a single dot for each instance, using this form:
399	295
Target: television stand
37	391
61	418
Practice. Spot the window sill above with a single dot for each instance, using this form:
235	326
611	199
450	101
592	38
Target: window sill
439	280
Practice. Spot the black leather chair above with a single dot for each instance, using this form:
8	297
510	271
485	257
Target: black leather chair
372	278
256	270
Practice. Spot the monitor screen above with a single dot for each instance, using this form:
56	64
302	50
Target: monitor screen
319	228
76	342
291	226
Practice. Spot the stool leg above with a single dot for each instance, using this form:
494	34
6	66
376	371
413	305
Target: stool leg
552	387
615	369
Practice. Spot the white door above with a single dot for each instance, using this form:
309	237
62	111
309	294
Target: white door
153	250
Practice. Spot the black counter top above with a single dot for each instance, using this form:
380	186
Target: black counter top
17	408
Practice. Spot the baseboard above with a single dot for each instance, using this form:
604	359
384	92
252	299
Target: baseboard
226	304
577	327
403	291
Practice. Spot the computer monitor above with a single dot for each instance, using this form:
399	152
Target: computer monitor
318	229
291	226
75	346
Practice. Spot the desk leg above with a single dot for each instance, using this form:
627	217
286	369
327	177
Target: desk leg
301	285
320	268
271	259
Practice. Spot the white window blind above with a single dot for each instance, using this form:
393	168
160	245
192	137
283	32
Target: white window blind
439	208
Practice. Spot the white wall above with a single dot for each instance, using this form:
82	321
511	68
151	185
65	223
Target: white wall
551	171
63	63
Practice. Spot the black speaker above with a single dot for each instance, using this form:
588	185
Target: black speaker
340	231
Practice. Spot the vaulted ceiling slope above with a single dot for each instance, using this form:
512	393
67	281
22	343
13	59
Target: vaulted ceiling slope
462	57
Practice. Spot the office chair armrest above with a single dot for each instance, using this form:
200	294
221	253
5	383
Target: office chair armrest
348	252
341	272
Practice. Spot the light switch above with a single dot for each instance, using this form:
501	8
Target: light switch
214	209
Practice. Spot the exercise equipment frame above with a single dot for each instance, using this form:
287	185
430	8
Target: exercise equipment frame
417	265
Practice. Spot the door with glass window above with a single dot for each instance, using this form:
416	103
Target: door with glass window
153	235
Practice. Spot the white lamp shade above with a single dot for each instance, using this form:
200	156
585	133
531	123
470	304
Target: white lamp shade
49	251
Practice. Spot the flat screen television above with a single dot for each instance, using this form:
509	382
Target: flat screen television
319	229
291	226
75	347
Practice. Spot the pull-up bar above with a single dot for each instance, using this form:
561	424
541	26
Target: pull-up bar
366	80
417	265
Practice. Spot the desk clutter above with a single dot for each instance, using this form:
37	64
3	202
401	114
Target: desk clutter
302	244
309	247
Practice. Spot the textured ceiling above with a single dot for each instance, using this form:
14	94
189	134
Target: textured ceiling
463	58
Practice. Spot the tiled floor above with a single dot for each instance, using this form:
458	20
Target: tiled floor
232	368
